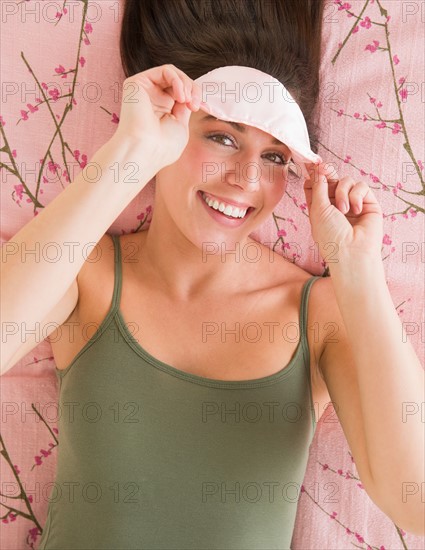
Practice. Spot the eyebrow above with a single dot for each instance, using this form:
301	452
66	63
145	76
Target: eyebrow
238	127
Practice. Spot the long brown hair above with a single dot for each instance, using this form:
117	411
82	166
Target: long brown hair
279	37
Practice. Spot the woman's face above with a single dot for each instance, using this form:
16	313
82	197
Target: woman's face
236	168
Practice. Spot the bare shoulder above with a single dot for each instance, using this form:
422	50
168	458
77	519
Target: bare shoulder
322	314
97	265
96	278
94	287
324	321
281	270
290	278
273	268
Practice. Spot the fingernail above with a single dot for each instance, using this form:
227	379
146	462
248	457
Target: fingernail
345	208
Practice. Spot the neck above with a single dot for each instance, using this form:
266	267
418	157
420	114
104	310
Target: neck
186	271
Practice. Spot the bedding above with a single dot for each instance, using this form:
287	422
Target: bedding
60	101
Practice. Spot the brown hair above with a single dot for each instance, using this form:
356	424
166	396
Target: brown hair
279	37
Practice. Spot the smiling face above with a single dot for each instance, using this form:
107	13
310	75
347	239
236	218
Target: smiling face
226	183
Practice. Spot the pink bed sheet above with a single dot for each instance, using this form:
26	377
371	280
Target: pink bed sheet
372	120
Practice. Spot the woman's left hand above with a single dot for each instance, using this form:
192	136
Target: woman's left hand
357	230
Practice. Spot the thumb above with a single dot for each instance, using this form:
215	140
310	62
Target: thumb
176	124
319	189
182	113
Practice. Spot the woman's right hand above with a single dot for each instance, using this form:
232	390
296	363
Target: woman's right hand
155	111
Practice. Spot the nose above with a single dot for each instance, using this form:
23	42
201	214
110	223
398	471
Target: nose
243	171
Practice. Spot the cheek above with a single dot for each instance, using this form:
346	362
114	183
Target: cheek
197	163
276	190
192	171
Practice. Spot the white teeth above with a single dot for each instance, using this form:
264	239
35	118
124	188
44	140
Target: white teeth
227	209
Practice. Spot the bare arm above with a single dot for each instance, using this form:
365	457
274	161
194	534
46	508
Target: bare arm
68	229
152	133
376	381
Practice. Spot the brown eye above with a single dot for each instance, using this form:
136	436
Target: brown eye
220	136
279	155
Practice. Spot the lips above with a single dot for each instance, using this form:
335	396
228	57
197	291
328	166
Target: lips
230	202
224	213
225	209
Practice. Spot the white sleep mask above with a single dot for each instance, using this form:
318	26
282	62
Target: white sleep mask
246	95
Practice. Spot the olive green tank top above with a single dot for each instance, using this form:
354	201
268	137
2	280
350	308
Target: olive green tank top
151	457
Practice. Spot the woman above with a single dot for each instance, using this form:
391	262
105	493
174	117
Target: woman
180	427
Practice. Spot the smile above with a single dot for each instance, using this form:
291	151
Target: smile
224	208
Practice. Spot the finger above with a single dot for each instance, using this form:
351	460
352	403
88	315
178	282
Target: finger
330	171
342	191
171	77
357	195
163	104
161	75
318	185
167	77
192	90
195	96
182	113
327	168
